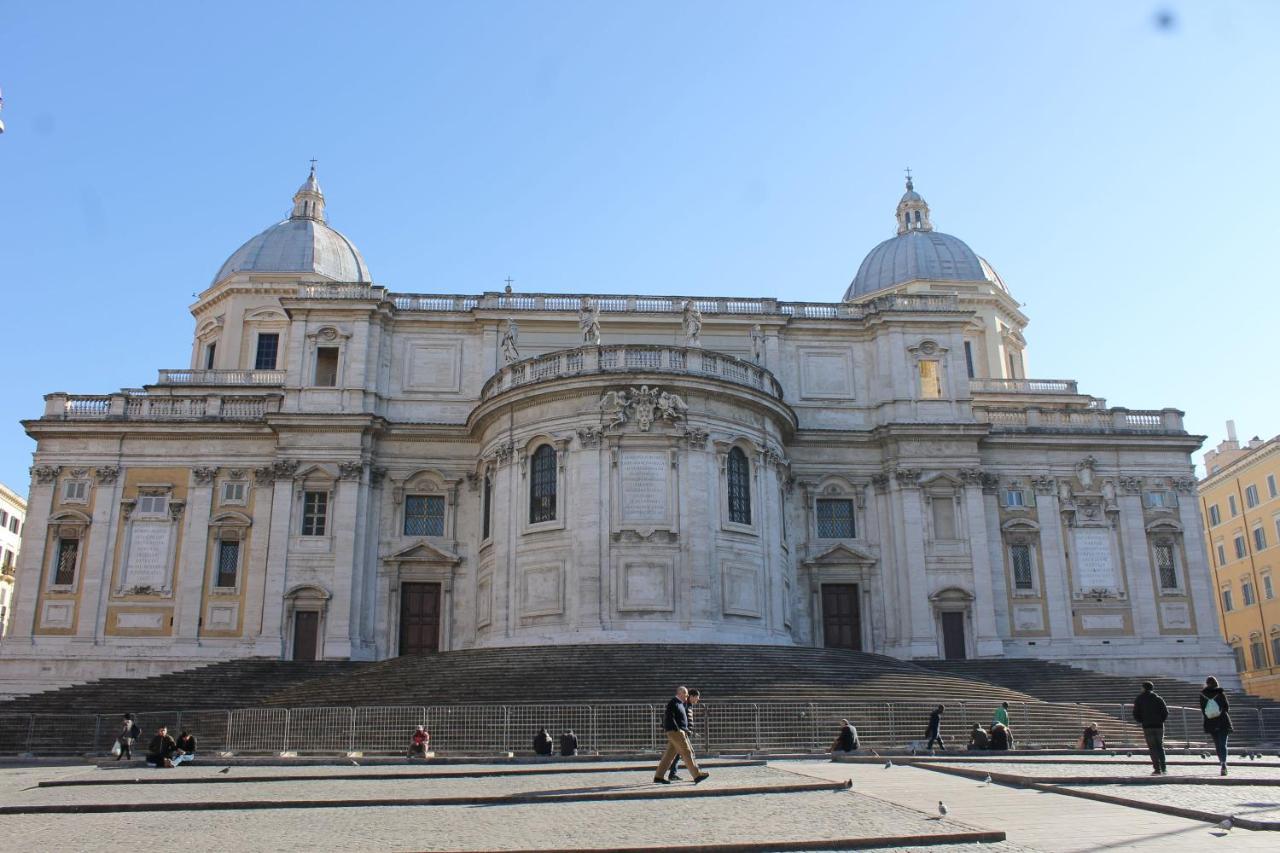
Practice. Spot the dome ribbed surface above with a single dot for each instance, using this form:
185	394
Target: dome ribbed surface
299	245
915	255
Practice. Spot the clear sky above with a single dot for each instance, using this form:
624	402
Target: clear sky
1115	161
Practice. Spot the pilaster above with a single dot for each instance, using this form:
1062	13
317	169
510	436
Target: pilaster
345	602
986	635
35	538
1057	583
195	544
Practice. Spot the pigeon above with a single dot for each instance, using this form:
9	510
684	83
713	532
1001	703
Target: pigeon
225	770
354	763
1225	823
1202	755
1128	755
888	764
987	781
942	808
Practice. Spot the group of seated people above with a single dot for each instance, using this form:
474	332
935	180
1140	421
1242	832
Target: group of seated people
999	738
543	744
164	751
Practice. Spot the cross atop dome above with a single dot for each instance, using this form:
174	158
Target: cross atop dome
913	211
308	201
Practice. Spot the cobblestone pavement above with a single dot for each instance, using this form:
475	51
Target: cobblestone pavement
1253	801
551	825
1207	769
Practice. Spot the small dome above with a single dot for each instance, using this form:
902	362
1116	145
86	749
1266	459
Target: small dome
303	243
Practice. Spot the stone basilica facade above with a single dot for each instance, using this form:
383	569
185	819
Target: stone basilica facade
347	472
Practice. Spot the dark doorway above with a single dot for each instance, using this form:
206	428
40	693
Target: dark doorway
953	635
306	634
841	620
419	618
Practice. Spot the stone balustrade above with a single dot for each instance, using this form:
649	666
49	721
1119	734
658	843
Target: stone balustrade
1115	420
632	358
1023	386
148	407
221	377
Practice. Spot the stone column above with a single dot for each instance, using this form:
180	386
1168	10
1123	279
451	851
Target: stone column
995	553
28	577
898	616
345	603
277	568
589	471
1057	583
255	560
192	564
985	634
100	558
909	526
1197	574
1137	565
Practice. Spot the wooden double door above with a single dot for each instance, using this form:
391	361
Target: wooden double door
841	616
419	618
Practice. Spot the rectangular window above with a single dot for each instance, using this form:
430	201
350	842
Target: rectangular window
1015	365
1259	654
65	572
1251	496
4	518
151	505
327	366
835	518
1227	603
268	349
1160	499
1015	497
930	380
1239	654
1215	517
233	492
8	559
424	515
1165	566
1271	486
209	350
1268	591
968	357
1259	539
1275	648
1222	554
1246	593
228	563
75	491
1241	550
315	513
1023	574
15	526
488	506
1231	505
944	518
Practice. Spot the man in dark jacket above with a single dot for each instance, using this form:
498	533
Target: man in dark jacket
675	722
934	732
695	696
1150	712
1219	725
542	743
568	743
160	753
129	732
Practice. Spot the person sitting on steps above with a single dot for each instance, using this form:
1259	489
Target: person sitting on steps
160	753
186	749
978	738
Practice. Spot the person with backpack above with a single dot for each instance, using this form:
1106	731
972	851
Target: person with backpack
129	732
1217	722
1150	711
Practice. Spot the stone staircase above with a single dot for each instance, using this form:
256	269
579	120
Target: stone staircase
1055	682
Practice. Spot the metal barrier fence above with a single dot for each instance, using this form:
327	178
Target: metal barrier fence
724	727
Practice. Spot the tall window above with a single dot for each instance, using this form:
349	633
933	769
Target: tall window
944	517
1275	648
1268	590
1240	548
326	366
835	518
1251	496
968	357
930	380
1165	565
228	563
209	350
1259	654
1228	604
1222	554
424	515
1272	491
268	349
315	513
1246	593
1015	364
488	507
739	471
1215	517
1259	538
1231	505
1239	654
542	485
65	570
1023	574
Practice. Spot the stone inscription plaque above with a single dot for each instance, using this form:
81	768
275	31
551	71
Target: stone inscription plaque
644	487
148	563
1095	568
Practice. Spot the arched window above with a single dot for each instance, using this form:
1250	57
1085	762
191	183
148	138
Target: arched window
739	487
542	485
488	505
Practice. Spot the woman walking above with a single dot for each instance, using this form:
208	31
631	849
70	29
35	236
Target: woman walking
1217	722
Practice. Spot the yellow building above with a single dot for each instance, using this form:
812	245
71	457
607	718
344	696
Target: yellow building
1240	503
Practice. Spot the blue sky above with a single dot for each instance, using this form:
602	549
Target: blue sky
1120	175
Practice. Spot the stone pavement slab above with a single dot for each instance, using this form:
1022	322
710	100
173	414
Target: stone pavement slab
1036	819
1046	770
1254	802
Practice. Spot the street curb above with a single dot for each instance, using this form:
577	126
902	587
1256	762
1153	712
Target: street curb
660	793
866	843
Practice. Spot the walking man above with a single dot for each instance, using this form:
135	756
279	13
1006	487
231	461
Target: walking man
1150	711
934	732
675	722
695	696
129	732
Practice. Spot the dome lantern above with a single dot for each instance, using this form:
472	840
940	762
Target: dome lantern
308	201
913	211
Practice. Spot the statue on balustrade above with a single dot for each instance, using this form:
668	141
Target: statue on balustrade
757	344
510	342
589	322
691	319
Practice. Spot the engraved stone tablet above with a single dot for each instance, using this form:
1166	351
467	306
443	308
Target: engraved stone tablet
644	487
1028	618
1176	615
148	561
1095	568
1103	622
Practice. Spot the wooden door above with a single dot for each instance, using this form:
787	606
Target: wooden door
953	635
419	618
306	634
841	619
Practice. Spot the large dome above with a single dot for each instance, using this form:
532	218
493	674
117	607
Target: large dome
918	252
303	243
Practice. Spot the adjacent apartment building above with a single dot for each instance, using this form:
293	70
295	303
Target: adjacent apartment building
13	512
1240	503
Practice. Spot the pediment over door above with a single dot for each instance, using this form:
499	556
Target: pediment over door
842	555
423	553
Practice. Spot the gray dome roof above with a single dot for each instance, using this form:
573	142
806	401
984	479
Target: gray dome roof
303	243
299	246
915	255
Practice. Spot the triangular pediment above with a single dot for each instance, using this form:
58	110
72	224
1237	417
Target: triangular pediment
842	555
424	552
